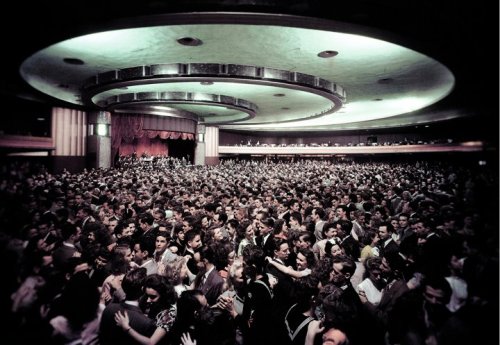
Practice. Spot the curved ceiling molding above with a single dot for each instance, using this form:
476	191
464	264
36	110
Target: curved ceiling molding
156	76
151	102
268	71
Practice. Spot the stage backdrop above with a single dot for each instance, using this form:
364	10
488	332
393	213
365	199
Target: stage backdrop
148	134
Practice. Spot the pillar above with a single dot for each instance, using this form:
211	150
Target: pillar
199	150
99	140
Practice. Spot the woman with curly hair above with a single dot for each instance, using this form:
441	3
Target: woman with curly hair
176	272
246	235
305	262
160	299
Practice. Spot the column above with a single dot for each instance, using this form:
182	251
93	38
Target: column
199	150
99	140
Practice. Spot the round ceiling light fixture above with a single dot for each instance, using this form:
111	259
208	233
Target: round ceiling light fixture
328	54
190	41
386	81
73	61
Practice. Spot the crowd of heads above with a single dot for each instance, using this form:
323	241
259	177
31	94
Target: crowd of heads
309	232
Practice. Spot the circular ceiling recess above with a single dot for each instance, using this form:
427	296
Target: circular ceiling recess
266	72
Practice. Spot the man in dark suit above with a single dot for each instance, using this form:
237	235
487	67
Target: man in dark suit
386	243
109	331
342	270
433	254
283	292
350	245
84	217
68	248
421	316
280	255
209	280
392	268
266	238
47	216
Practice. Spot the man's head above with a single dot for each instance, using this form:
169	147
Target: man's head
132	283
143	250
193	239
342	270
436	294
437	291
335	336
282	251
385	231
161	241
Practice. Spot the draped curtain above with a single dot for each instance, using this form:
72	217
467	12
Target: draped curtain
152	147
69	132
128	132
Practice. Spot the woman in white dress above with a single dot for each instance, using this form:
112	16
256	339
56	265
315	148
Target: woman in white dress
373	284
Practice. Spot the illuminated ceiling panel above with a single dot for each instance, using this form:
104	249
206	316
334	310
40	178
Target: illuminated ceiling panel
273	72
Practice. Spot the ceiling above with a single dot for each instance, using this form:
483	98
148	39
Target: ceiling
262	66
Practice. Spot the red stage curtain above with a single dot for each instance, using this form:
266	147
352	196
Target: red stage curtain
151	147
128	135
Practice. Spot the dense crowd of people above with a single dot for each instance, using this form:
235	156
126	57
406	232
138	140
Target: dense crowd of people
306	252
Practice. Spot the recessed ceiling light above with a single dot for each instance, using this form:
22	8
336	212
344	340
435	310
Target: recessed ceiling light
190	41
40	118
328	54
73	61
426	126
207	83
279	95
385	81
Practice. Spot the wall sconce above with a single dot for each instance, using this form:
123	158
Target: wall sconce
99	129
201	133
102	129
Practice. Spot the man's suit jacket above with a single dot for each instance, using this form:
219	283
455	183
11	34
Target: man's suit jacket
111	334
434	255
213	287
389	297
283	291
391	247
269	246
